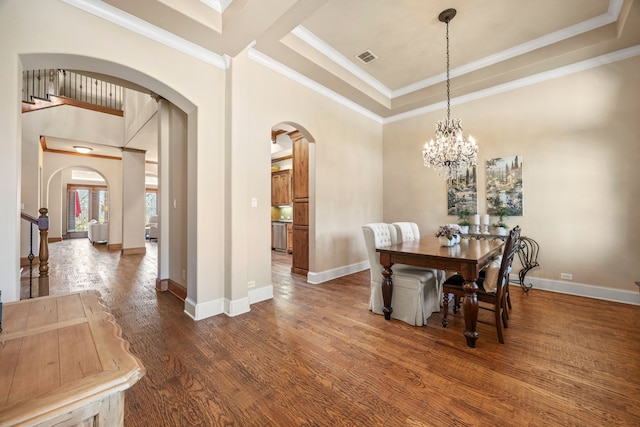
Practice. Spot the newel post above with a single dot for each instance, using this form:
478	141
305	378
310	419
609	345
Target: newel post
43	226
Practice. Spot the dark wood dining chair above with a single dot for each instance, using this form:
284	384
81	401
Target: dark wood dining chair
491	286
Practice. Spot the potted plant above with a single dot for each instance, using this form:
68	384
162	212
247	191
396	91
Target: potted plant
501	226
448	235
463	220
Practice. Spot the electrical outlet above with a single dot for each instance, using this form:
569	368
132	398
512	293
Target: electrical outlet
252	284
566	276
254	202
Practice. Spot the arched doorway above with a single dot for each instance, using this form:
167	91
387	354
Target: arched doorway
77	196
179	109
299	153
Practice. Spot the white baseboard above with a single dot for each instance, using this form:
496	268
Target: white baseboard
570	288
236	307
229	307
327	275
204	310
260	294
580	289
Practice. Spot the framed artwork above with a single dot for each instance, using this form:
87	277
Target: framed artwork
504	186
462	192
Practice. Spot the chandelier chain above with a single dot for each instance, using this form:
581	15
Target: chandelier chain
448	83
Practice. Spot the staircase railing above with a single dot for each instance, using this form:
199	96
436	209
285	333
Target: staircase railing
42	222
42	84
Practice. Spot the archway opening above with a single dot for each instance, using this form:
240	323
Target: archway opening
292	195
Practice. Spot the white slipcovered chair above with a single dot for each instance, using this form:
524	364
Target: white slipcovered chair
154	231
409	231
416	292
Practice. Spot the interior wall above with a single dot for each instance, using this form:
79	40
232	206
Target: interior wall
178	196
139	108
133	202
348	171
55	203
149	64
578	139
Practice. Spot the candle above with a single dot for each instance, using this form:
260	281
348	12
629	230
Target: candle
486	219
476	219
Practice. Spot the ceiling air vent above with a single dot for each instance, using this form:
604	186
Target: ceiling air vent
367	56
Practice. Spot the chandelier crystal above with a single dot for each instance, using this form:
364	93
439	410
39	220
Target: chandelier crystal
450	152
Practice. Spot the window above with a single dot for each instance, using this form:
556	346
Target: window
85	203
151	198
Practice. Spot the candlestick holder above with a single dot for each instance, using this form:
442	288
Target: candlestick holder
486	229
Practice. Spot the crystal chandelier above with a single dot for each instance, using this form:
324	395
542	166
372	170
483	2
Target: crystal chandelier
451	152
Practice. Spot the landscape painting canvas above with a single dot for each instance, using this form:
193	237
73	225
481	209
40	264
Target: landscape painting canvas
504	185
462	192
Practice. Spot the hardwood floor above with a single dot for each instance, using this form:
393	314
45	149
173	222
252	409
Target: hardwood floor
315	356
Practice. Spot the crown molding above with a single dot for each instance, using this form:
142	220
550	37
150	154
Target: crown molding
311	84
526	81
137	25
217	5
515	84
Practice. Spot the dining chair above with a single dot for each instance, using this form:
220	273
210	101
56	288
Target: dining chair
416	294
491	286
408	231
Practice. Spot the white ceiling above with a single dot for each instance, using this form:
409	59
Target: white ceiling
145	139
493	43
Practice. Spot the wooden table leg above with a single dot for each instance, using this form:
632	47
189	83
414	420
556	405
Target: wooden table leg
387	286
470	308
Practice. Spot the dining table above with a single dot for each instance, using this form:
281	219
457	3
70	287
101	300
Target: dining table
468	258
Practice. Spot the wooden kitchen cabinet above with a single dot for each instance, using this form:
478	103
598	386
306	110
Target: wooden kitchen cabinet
290	238
281	188
300	261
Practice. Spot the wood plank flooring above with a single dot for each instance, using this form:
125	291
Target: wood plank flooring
315	356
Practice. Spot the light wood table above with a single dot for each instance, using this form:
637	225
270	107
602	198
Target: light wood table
63	362
468	258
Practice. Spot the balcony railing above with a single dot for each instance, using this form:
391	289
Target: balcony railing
43	83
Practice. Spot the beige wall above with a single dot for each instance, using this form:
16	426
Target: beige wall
177	221
578	138
133	202
347	161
